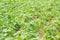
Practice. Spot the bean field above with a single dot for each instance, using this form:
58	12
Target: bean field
29	19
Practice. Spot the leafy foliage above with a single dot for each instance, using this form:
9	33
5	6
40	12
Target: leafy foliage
29	19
